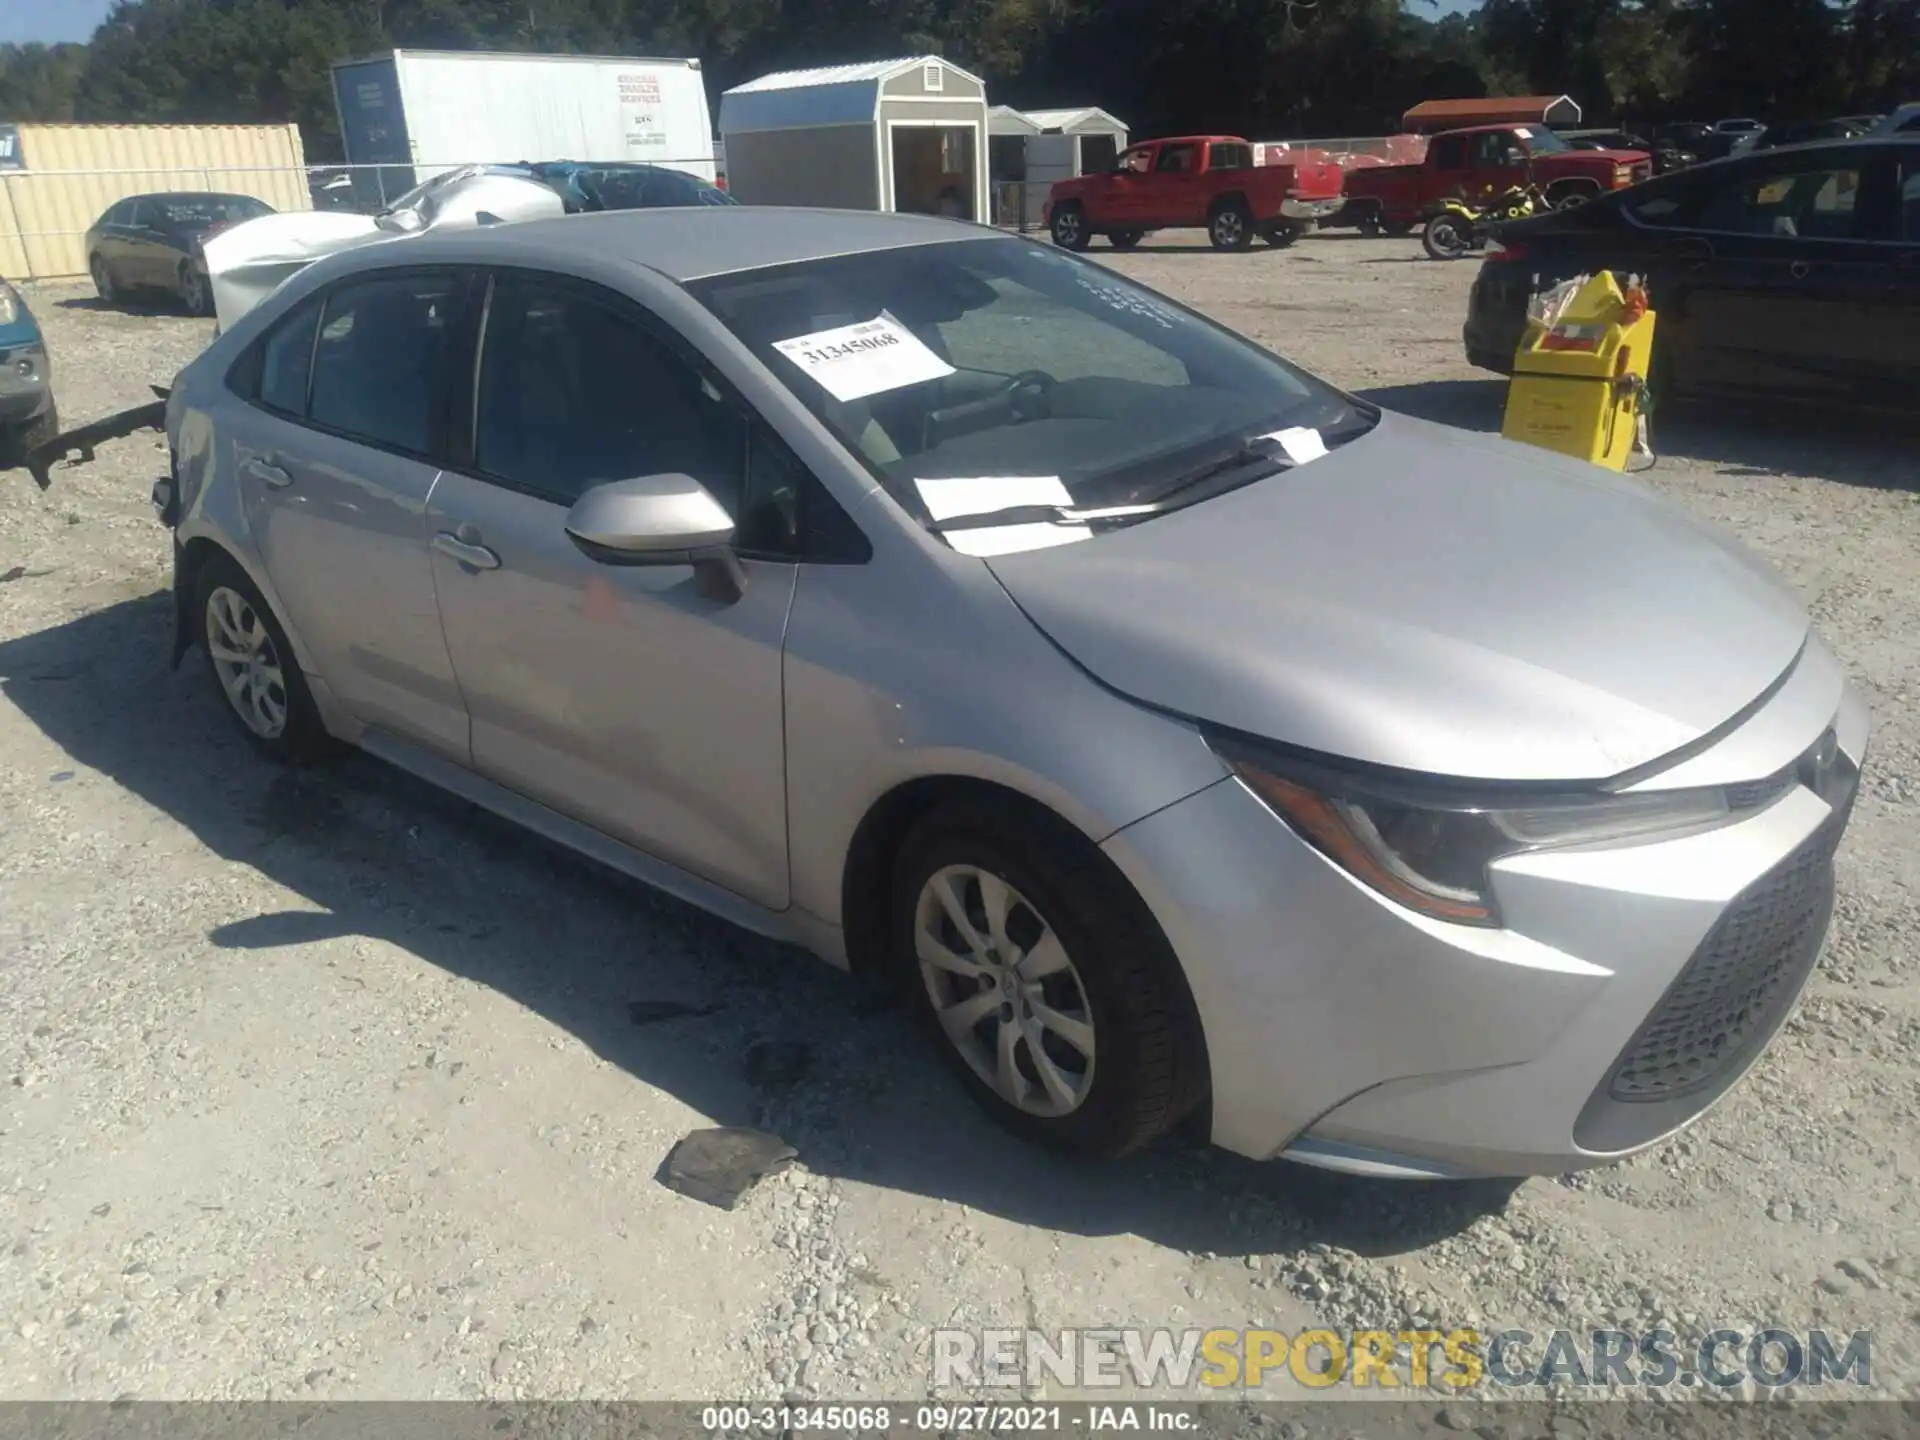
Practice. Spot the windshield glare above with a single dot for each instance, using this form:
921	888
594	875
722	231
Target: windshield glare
1000	357
213	210
1542	141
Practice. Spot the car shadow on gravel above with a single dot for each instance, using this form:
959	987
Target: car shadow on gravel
672	996
1877	452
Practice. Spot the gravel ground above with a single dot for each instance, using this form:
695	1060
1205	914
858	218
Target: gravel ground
328	1086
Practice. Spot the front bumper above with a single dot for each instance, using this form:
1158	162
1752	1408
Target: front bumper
26	384
1631	987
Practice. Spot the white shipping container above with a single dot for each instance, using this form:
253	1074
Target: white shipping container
431	109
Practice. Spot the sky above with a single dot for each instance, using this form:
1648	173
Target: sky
50	20
54	20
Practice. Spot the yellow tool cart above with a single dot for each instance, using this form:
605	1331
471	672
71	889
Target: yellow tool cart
1580	375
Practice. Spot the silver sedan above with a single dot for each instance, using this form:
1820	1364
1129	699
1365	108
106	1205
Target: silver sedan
1189	739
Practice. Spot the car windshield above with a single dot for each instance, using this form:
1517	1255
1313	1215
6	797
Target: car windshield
1541	141
1003	358
197	210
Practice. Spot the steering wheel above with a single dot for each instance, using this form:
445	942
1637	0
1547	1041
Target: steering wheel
1026	393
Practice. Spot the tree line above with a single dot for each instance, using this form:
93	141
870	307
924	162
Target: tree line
1268	69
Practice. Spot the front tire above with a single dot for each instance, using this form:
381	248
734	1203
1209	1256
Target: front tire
1282	236
1446	237
1070	228
1044	981
253	666
1125	239
1230	227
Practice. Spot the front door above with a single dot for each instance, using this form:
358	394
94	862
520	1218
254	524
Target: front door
1175	197
621	696
333	456
1794	299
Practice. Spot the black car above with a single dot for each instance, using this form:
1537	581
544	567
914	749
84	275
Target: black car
1805	132
1790	273
152	242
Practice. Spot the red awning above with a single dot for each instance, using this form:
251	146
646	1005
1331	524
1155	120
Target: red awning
1431	116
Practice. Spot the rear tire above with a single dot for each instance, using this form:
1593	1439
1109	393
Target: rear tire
1097	1051
1070	228
253	666
196	291
1125	239
103	285
1282	236
1230	227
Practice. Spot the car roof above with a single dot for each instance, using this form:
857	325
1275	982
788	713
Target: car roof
693	243
183	195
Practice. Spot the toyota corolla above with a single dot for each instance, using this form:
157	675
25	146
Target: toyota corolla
1189	739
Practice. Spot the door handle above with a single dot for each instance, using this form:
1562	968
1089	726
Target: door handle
477	557
266	472
1798	269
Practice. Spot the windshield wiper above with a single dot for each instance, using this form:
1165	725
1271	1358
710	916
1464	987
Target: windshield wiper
1254	460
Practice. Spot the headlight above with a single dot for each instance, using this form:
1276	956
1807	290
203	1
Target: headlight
9	304
1431	851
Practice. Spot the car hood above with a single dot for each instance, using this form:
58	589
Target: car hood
1431	600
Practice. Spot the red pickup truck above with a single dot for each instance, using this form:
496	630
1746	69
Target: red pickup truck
1188	182
1482	162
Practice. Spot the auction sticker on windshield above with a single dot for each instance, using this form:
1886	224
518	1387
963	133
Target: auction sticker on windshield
856	361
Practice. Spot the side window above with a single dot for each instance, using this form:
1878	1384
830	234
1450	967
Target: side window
139	213
1230	157
118	214
575	391
786	512
1660	209
286	361
1177	159
1137	161
1816	203
1496	150
1449	152
380	364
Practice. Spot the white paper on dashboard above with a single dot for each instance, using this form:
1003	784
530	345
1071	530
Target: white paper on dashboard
1300	443
852	362
982	494
1010	539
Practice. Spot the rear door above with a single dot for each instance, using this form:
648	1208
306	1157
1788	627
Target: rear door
1903	311
139	246
1787	282
335	456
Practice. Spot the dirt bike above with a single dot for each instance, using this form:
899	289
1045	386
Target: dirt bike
1456	229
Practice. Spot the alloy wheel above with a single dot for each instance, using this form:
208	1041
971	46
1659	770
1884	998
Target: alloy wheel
1066	229
1005	991
1229	228
193	290
247	662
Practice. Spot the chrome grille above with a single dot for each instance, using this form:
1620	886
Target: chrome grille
1737	986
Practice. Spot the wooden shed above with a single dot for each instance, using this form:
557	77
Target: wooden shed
1031	149
1432	116
908	135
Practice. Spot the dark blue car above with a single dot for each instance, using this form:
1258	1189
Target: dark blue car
589	185
26	379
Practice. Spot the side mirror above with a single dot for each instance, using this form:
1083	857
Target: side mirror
660	520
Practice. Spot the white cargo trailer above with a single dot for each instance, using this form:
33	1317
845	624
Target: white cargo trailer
423	111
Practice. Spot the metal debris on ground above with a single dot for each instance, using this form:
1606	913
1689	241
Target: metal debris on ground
719	1166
